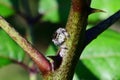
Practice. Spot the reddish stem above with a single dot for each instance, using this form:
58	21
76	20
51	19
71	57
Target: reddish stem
41	61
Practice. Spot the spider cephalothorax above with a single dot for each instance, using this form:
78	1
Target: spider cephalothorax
60	36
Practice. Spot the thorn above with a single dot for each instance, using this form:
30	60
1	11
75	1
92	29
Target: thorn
93	10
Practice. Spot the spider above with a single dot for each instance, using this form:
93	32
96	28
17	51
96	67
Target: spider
60	36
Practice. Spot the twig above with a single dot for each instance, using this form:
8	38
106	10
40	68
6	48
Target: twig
37	57
23	65
93	32
26	67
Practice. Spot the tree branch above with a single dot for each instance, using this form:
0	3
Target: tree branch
76	26
38	58
93	32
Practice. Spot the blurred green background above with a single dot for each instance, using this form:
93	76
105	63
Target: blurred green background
38	19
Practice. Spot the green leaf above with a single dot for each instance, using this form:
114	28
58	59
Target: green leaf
9	50
6	8
4	61
52	49
109	6
50	10
54	10
83	73
102	56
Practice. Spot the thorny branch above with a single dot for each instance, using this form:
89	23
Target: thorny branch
76	26
95	31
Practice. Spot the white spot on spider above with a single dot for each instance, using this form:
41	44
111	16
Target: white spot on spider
60	36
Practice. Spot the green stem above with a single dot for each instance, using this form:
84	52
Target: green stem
33	76
76	27
33	73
